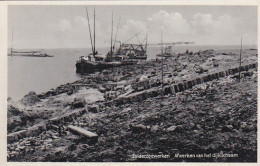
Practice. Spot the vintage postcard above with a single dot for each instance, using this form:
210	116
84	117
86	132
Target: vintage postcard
125	81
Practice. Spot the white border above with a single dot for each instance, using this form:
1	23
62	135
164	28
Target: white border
3	71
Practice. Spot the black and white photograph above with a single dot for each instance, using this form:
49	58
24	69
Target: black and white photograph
132	83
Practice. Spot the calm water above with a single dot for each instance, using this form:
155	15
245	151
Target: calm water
42	74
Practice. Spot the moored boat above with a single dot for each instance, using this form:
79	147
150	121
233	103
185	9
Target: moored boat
91	64
127	54
29	54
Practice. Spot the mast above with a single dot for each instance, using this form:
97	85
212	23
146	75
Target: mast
161	43
162	57
94	32
90	32
240	59
146	43
12	41
112	37
112	44
116	33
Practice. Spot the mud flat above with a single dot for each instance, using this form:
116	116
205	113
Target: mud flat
214	120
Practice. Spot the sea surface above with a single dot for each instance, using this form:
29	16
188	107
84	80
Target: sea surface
36	74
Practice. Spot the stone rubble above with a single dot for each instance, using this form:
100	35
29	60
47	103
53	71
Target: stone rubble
216	115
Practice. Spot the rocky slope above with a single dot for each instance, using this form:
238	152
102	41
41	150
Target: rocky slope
216	117
213	119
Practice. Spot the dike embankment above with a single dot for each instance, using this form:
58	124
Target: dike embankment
54	123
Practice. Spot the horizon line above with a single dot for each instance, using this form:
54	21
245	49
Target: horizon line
147	46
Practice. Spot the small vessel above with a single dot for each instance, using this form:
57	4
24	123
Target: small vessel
92	63
168	53
29	53
95	61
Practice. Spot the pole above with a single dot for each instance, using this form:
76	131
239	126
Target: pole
162	57
240	60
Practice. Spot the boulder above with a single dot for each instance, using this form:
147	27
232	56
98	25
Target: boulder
78	103
154	128
138	128
172	128
165	103
227	128
167	90
9	99
30	99
93	108
13	110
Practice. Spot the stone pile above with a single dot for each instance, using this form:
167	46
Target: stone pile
194	114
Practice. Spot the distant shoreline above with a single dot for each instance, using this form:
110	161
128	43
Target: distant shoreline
193	45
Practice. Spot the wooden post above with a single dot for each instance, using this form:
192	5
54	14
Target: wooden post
82	131
162	58
162	72
240	60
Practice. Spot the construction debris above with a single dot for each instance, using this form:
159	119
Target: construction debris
82	131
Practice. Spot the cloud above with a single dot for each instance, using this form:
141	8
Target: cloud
174	26
215	30
203	28
149	19
70	27
75	32
202	23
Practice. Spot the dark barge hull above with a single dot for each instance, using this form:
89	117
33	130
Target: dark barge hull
138	58
87	67
40	56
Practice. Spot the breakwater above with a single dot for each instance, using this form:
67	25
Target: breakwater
135	97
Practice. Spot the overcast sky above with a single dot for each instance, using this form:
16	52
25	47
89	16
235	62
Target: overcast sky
66	26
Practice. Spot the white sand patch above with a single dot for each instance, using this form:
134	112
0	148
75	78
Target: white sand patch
91	95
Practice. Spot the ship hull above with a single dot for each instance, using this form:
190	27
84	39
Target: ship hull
28	55
90	67
138	58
